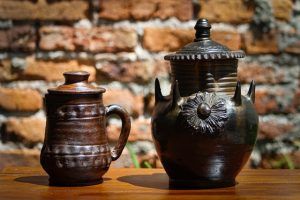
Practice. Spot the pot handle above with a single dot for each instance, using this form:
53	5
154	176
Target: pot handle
126	125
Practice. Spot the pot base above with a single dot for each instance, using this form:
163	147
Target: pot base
200	184
55	182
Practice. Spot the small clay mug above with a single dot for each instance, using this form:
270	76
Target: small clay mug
76	149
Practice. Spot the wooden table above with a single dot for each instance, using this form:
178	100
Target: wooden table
32	183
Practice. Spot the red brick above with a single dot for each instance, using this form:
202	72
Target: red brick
233	11
282	9
140	131
28	129
18	38
138	72
263	43
146	9
57	38
261	74
273	128
97	39
265	102
133	104
13	99
231	39
6	71
43	9
105	39
162	68
166	39
51	70
274	100
296	100
169	39
293	48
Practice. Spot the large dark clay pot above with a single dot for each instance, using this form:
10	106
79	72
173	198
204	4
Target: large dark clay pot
76	149
205	130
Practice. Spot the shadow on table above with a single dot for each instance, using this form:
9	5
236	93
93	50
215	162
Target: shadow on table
37	180
40	180
156	181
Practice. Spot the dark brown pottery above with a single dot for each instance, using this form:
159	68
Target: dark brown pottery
76	149
205	130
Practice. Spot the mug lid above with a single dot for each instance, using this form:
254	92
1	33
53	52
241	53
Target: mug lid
76	82
203	48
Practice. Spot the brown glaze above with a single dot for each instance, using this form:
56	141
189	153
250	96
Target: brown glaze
76	149
205	130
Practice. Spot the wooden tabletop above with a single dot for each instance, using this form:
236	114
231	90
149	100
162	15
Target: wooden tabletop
32	183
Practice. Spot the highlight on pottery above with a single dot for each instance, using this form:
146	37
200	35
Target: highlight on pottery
205	129
76	149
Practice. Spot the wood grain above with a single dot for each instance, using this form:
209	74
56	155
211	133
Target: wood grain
32	183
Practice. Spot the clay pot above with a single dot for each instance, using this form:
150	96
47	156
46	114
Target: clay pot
205	130
76	149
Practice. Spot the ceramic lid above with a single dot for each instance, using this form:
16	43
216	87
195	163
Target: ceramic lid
76	82
203	48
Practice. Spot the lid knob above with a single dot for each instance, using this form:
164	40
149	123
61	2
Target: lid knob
202	28
203	110
76	76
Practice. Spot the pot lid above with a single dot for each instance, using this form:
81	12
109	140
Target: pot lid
76	82
203	48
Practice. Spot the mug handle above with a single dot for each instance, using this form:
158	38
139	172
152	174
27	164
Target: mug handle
126	125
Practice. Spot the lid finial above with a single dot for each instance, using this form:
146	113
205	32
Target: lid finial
76	76
202	28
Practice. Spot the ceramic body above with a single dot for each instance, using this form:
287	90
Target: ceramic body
205	130
76	149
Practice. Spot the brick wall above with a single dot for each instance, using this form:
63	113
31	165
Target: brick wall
122	44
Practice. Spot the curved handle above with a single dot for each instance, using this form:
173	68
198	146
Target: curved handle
126	125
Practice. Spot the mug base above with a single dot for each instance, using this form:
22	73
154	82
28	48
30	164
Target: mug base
56	182
200	184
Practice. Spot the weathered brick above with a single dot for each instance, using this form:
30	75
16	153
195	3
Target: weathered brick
6	71
262	43
274	100
97	39
233	11
231	39
166	39
29	130
273	126
261	74
293	48
123	97
52	70
139	71
296	100
282	9
57	38
18	38
146	9
162	68
13	99
43	9
105	39
169	39
140	130
4	42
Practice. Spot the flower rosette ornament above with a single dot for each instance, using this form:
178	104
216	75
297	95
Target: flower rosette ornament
205	112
